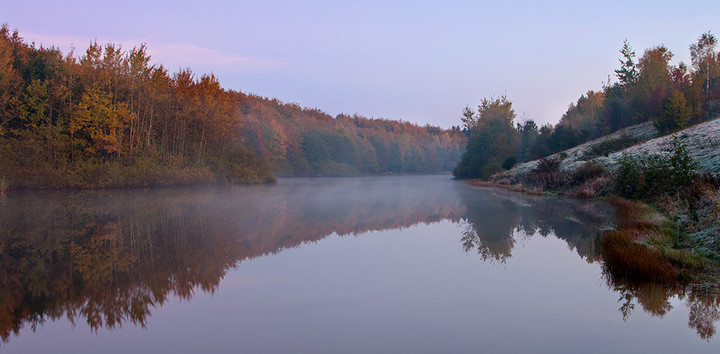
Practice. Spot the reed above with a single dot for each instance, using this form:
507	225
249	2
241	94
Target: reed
636	249
624	257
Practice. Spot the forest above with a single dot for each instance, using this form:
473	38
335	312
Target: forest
111	118
648	88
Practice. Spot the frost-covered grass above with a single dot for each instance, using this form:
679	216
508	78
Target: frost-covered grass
702	228
702	140
577	156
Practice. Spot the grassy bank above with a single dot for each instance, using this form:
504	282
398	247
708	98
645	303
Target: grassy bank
646	246
668	213
24	169
665	239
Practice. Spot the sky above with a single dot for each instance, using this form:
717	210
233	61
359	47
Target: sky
417	61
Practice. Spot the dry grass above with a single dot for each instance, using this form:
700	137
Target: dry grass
624	257
636	216
636	249
644	247
586	190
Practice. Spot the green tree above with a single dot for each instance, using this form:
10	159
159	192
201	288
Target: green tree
35	105
528	138
681	163
674	114
616	111
468	119
491	140
628	72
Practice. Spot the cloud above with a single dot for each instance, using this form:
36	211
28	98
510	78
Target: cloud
171	55
183	55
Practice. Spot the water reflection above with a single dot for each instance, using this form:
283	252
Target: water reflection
497	219
111	257
702	300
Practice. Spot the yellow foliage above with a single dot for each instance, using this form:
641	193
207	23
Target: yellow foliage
98	124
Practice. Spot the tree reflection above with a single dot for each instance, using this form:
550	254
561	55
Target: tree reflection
496	218
654	298
110	257
704	313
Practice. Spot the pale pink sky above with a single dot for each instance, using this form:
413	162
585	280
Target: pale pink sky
419	61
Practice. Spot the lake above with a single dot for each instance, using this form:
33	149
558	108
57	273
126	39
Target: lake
397	264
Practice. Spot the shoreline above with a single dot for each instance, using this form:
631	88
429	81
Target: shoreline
511	187
8	189
645	244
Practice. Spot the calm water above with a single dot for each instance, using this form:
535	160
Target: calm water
359	265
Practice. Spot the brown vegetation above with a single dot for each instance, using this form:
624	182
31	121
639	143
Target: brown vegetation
626	252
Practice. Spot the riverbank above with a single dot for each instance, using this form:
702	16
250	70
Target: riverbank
140	172
648	246
657	241
671	231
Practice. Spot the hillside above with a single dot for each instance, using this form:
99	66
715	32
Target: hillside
702	140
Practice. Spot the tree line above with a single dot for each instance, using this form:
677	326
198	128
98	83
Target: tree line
109	118
648	88
308	142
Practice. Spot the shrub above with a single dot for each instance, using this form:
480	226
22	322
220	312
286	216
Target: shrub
509	162
548	165
547	174
587	172
608	146
682	164
648	176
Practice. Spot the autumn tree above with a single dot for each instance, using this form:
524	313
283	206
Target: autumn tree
653	84
703	58
586	113
97	124
110	112
10	80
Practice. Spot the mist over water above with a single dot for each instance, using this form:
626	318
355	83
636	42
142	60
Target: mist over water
369	264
